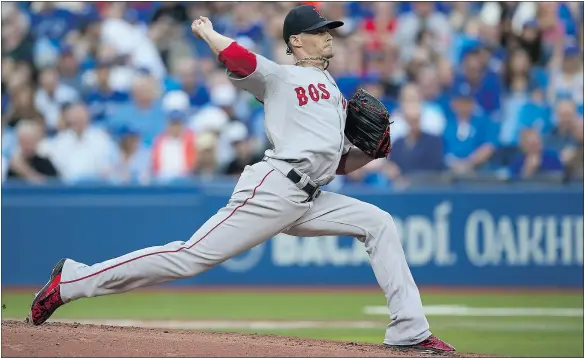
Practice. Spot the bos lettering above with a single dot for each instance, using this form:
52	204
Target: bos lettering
314	92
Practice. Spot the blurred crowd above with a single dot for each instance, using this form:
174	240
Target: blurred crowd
123	92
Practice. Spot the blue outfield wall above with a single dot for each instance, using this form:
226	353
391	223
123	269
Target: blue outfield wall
504	236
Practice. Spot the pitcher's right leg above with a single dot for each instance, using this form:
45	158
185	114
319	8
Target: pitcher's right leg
263	204
335	214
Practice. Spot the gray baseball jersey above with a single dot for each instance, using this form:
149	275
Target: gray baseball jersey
305	119
311	135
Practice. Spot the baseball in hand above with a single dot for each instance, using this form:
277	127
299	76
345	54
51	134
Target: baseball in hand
200	26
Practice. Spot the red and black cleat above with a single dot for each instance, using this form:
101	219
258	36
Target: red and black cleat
432	344
48	299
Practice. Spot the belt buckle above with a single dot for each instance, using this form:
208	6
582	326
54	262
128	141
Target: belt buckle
315	194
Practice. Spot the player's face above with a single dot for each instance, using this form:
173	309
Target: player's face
318	43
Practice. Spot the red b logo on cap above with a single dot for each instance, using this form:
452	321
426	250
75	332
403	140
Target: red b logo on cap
318	12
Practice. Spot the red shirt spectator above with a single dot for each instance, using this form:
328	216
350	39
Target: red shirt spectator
380	26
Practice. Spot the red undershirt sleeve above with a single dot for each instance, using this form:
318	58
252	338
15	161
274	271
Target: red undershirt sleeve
238	60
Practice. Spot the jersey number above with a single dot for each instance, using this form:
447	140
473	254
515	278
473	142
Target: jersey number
314	92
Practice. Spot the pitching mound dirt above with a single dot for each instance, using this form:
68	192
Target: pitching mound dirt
67	340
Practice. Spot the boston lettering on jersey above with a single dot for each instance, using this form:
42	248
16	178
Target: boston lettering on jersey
315	94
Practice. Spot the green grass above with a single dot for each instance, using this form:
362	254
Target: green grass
511	336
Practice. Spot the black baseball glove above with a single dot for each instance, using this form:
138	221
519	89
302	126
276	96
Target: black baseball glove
367	125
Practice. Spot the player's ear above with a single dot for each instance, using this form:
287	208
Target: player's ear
295	41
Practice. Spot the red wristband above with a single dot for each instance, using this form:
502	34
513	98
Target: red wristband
238	60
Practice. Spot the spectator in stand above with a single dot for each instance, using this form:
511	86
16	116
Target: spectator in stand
470	139
133	162
485	85
338	10
207	167
530	40
431	90
17	37
573	157
242	147
51	96
552	27
174	154
27	163
52	22
144	112
186	79
517	87
517	74
416	152
81	152
130	41
378	29
432	118
103	101
562	137
533	113
224	96
567	75
423	18
246	21
69	69
22	105
445	74
534	159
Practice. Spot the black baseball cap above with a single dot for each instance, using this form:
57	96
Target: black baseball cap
306	18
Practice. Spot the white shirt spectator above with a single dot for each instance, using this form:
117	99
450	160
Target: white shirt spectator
432	122
87	157
409	24
50	106
233	131
136	168
562	84
129	40
209	119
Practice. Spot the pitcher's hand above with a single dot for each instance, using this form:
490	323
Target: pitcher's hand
201	26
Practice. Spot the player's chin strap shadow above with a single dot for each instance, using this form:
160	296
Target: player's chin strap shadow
309	59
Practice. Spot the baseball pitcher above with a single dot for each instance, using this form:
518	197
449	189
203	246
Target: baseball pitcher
315	133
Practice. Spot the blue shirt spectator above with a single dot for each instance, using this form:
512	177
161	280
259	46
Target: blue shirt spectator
70	68
562	135
133	162
422	153
53	23
486	85
101	99
534	159
103	104
186	79
469	139
144	113
533	113
549	161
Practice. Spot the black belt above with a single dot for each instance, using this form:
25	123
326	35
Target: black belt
312	191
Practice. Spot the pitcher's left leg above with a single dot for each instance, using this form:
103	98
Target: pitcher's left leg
335	214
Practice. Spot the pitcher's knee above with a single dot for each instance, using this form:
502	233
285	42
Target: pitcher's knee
378	221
